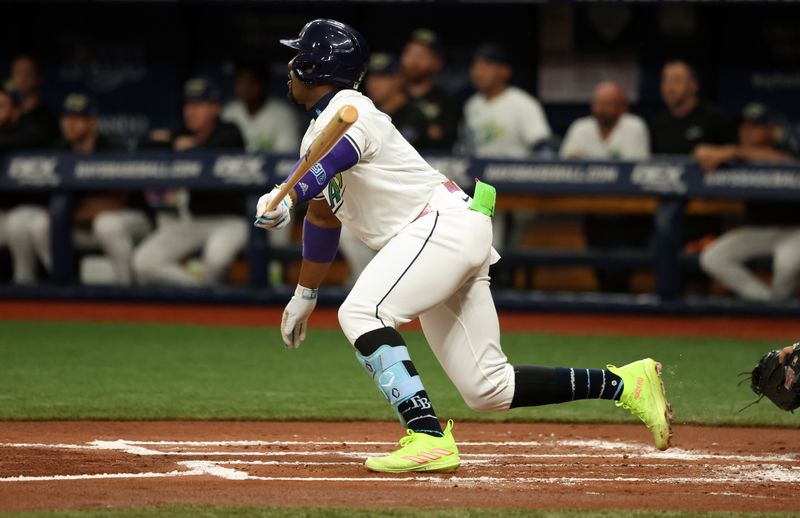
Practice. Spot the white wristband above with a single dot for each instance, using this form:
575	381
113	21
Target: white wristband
306	293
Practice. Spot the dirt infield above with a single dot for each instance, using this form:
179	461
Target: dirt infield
51	465
780	329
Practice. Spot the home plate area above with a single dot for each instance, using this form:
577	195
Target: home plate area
503	465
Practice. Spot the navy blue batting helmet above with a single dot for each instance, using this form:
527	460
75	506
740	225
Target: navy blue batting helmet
329	52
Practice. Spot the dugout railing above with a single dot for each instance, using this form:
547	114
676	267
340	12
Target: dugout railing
672	182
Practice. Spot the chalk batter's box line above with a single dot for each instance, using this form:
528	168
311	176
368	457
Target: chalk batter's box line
743	473
632	450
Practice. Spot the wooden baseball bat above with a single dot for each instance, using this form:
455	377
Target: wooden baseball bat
321	146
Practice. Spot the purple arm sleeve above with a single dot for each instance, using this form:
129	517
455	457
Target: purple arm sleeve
320	244
342	157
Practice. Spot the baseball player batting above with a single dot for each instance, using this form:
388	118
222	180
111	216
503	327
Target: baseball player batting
434	252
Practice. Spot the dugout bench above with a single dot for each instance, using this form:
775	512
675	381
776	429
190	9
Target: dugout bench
665	188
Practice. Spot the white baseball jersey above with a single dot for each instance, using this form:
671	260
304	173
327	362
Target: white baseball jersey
391	183
273	128
628	140
432	263
506	126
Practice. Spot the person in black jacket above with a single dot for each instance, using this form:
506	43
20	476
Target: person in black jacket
213	222
421	60
385	86
36	126
202	127
687	122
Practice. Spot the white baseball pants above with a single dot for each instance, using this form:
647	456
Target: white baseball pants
437	269
158	259
725	261
114	232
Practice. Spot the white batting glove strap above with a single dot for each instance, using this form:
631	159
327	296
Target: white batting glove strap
275	219
295	316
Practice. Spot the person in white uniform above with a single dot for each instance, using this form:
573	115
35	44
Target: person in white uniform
434	251
772	227
267	124
502	121
610	132
110	220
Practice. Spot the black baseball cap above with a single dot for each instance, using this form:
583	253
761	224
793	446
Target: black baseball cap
201	88
428	38
494	53
382	63
79	104
760	113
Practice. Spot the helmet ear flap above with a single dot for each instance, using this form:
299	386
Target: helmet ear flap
304	70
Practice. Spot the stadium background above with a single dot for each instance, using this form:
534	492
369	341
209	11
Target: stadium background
71	361
135	55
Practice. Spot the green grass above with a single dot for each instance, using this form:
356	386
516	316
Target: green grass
147	371
253	512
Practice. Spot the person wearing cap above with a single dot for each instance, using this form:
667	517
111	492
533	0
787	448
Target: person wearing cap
421	60
36	126
213	223
385	86
267	124
501	120
105	220
79	132
202	127
772	228
611	133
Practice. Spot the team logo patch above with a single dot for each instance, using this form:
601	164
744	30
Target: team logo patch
319	173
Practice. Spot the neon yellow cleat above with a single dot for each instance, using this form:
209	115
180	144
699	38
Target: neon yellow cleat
644	396
420	452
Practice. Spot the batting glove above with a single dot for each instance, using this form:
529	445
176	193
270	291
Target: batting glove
275	219
295	316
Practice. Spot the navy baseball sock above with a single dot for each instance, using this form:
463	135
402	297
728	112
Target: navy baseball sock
545	385
417	411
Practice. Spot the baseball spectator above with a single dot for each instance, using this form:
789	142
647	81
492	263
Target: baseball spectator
687	122
610	132
771	228
385	86
214	224
421	61
501	120
267	124
100	219
36	126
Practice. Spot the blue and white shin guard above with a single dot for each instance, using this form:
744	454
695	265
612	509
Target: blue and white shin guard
388	363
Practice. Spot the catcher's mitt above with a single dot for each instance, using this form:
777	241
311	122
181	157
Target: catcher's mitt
777	377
